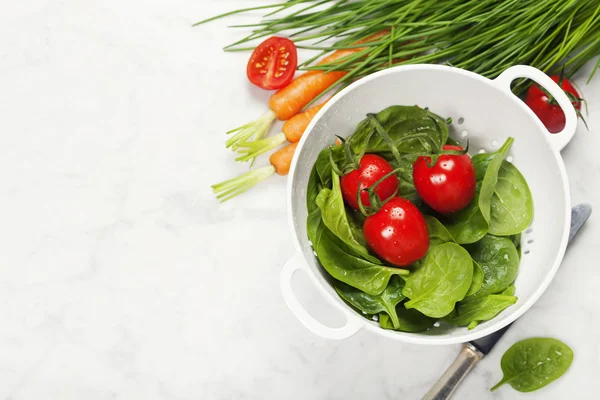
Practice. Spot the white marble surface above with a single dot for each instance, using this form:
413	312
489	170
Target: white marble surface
123	278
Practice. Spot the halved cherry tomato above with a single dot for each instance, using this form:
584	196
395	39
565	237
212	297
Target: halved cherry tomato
547	109
372	168
397	232
273	63
447	186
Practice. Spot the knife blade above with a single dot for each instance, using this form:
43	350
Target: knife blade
472	352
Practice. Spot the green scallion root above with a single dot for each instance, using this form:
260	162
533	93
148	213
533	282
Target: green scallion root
254	130
250	150
230	188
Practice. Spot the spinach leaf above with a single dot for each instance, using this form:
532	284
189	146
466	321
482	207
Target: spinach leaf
477	279
490	179
373	304
333	213
509	291
362	274
533	363
512	203
480	309
442	280
323	163
468	225
399	122
405	175
499	261
438	234
312	190
409	320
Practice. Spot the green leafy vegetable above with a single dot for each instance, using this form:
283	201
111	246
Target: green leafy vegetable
511	202
477	279
438	234
490	179
533	363
509	291
442	280
499	261
312	190
409	320
412	129
373	304
364	275
405	174
333	212
323	163
468	225
481	309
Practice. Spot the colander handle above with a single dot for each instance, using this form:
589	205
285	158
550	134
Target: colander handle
296	263
557	140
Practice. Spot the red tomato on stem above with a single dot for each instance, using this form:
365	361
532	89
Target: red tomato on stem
273	63
372	168
547	109
449	185
397	232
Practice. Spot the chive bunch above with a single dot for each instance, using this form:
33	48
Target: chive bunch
483	36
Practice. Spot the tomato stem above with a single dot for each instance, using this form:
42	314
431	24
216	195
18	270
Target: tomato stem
230	188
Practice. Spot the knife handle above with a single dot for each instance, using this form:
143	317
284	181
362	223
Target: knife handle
445	386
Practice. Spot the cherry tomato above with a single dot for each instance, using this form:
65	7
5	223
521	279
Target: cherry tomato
447	186
372	168
397	232
547	109
273	63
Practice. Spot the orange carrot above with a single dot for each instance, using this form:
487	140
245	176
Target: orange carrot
282	158
292	131
295	126
280	161
287	102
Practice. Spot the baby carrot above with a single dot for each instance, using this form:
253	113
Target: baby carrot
280	161
291	131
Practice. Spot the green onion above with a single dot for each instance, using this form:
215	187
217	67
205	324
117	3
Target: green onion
483	36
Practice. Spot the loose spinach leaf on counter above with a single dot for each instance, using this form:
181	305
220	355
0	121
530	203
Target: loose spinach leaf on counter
340	264
480	309
443	279
533	363
399	122
499	261
373	304
408	320
333	213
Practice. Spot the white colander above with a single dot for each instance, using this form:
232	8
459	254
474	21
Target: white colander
484	111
